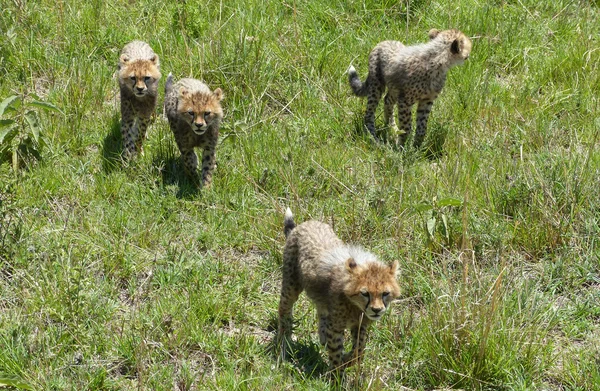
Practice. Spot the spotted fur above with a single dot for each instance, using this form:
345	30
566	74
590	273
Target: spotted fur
411	74
138	81
194	113
348	285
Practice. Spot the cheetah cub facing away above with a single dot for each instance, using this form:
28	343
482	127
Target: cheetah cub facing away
138	81
412	74
344	282
194	113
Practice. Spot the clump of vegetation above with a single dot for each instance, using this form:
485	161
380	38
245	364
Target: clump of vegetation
441	224
21	129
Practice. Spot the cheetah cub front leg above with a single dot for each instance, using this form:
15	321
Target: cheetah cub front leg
208	162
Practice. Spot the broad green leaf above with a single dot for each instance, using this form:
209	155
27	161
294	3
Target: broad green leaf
7	102
423	207
46	106
33	120
6	122
13	381
431	226
449	201
7	134
445	223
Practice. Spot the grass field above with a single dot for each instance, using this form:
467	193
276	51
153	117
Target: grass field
125	277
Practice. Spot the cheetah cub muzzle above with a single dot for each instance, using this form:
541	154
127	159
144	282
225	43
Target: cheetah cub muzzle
411	74
138	81
349	287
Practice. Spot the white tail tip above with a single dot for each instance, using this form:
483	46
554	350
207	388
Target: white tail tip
288	214
351	70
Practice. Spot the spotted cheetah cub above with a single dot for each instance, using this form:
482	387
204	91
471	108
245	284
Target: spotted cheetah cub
412	74
344	282
138	81
194	113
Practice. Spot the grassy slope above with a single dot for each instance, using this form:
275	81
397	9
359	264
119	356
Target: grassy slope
117	277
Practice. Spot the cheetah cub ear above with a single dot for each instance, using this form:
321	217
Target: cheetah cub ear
351	265
394	269
124	58
433	33
218	93
154	60
183	91
456	46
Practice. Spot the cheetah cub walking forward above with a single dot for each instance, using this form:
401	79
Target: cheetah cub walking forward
195	114
412	74
138	81
344	282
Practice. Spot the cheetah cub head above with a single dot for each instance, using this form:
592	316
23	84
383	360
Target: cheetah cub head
371	286
200	109
139	76
460	45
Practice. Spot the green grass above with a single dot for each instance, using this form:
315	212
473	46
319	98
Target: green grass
120	277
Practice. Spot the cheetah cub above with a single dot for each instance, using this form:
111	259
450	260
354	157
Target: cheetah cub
344	282
194	113
412	74
138	81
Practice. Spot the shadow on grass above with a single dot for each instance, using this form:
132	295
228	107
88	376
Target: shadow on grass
27	156
361	133
433	147
112	146
172	174
305	357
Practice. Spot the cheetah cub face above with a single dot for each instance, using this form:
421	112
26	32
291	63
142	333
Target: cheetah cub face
371	287
200	110
140	76
460	47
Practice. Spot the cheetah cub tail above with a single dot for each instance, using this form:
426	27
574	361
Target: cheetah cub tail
288	222
168	88
169	83
359	88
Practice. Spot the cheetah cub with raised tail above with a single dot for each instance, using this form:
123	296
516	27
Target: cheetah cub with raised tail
138	81
412	74
348	285
194	113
